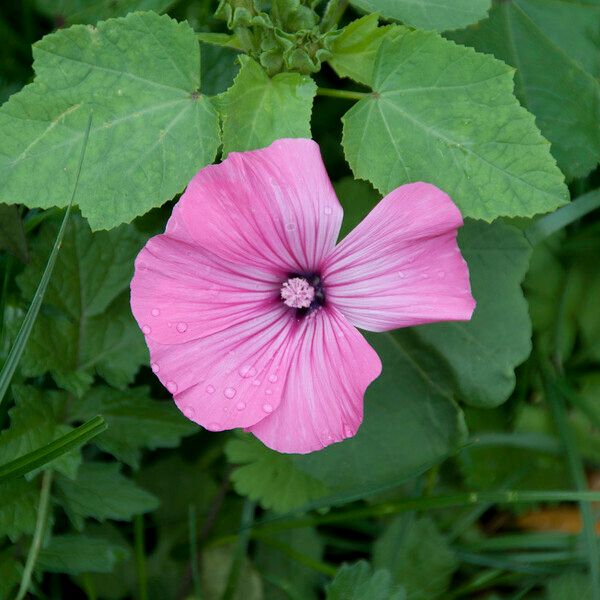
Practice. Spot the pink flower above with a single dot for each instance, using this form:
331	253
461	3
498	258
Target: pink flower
250	309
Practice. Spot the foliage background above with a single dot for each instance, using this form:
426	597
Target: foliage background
468	477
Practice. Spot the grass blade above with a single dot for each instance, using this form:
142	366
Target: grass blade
19	346
38	458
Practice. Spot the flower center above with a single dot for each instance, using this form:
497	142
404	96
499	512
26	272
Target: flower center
304	292
296	292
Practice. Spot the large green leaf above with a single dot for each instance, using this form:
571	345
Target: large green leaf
102	492
445	114
76	554
34	422
410	423
134	420
86	325
258	110
91	11
484	351
417	555
152	128
270	477
550	41
440	15
358	581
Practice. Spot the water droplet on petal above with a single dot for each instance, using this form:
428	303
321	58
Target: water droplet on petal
155	312
210	389
425	276
147	329
229	392
441	274
247	371
256	382
347	431
272	378
328	210
188	411
172	386
240	405
155	367
291	226
268	392
182	327
268	408
401	274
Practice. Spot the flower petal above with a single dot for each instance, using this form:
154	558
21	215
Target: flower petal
274	206
228	379
181	292
330	367
402	266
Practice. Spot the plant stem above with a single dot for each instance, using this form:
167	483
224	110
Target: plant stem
38	535
140	557
344	94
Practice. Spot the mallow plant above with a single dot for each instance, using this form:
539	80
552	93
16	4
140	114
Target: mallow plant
298	299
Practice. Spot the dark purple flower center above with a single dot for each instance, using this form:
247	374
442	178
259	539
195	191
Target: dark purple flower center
303	292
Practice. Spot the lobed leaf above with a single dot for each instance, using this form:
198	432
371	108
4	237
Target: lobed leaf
555	51
358	581
258	110
444	114
153	129
440	15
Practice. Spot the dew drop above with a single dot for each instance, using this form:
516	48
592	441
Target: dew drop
291	226
347	431
268	392
155	312
172	386
247	371
182	327
401	274
256	382
146	329
441	274
155	367
188	411
210	389
268	408
425	276
229	392
240	405
328	210
272	378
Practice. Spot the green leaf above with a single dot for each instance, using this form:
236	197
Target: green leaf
355	48
358	581
102	492
10	574
417	555
91	11
550	42
569	585
12	236
444	114
135	421
153	129
410	423
76	554
34	422
484	352
269	477
18	508
258	110
358	198
86	326
219	68
440	15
